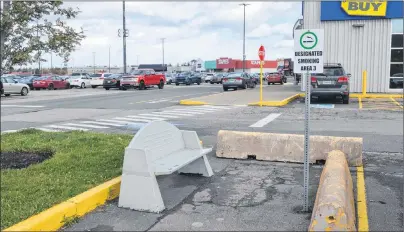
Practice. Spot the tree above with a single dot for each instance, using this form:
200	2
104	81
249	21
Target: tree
27	32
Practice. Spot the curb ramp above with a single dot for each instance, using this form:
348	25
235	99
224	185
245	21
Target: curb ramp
334	208
285	147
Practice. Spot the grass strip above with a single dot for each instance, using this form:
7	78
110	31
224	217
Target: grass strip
81	160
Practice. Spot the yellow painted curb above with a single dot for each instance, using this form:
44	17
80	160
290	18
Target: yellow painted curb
334	208
276	103
54	218
192	103
363	221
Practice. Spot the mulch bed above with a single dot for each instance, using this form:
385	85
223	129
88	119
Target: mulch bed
19	160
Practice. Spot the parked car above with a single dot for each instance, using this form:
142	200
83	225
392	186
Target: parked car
142	79
274	78
98	79
50	82
217	78
188	78
28	81
10	86
169	78
208	77
79	81
112	81
332	83
238	80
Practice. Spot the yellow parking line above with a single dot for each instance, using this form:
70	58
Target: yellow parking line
363	221
360	103
396	102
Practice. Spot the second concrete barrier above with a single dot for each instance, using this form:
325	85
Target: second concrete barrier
285	147
334	208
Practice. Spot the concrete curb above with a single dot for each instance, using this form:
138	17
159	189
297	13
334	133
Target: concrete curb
55	217
192	103
334	208
285	147
277	103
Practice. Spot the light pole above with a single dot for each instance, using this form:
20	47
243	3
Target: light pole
109	59
124	36
94	61
162	44
244	5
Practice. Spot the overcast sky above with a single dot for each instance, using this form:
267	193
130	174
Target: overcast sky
206	30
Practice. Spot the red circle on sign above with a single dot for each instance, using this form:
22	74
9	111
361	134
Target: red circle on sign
261	53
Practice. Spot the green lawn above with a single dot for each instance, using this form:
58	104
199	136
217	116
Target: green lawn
82	160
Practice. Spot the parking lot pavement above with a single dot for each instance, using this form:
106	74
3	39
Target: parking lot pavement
381	104
241	196
244	97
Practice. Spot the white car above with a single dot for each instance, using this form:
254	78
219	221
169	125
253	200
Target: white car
79	81
98	79
10	86
208	77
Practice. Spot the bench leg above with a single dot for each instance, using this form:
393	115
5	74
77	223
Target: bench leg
140	193
199	166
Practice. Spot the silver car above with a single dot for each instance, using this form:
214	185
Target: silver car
11	86
238	80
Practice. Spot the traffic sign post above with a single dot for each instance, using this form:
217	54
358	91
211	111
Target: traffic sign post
261	55
308	59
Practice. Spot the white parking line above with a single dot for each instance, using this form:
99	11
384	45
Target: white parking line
147	118
156	115
84	125
172	114
21	106
265	120
67	127
47	130
186	111
102	123
113	121
180	113
9	131
132	120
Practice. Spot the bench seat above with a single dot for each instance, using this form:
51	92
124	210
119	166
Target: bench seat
176	160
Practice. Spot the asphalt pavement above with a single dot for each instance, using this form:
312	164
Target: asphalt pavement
242	195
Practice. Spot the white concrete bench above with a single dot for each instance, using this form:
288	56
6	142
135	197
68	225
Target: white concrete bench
159	148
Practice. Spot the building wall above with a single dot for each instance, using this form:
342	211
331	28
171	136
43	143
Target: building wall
357	49
210	64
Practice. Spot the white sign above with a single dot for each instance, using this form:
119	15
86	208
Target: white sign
257	62
309	53
223	61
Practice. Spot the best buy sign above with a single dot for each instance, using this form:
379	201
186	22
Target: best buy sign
364	8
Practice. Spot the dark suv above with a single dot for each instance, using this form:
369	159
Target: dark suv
188	78
332	83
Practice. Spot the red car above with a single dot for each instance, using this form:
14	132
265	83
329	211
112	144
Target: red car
50	82
275	77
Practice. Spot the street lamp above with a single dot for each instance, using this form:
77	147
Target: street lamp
94	61
244	5
162	43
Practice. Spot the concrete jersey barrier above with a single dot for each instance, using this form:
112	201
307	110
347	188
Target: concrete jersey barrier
285	147
334	208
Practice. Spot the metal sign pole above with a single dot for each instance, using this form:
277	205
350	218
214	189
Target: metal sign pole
306	144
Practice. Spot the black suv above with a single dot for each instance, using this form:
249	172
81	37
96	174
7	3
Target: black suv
332	83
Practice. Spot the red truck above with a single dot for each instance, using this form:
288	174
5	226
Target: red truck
142	79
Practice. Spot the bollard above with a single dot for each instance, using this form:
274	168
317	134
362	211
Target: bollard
364	74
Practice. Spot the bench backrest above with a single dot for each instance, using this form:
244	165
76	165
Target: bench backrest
158	139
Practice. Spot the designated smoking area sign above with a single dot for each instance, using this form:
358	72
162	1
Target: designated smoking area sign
308	59
309	51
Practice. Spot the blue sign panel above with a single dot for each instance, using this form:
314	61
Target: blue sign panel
333	11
